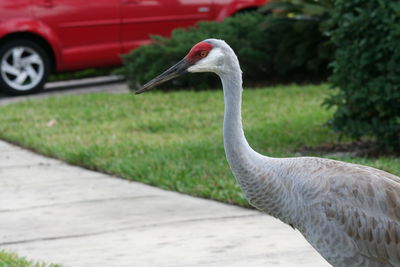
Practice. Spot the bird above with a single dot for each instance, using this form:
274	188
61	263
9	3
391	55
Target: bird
349	213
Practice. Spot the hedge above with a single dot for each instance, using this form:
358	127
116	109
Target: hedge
366	70
271	49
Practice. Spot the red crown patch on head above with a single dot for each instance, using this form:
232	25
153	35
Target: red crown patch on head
199	51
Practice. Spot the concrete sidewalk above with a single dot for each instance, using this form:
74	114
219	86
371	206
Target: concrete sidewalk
59	213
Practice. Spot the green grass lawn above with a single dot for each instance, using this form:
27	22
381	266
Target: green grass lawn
8	259
172	140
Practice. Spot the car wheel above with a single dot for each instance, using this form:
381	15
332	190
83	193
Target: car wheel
24	67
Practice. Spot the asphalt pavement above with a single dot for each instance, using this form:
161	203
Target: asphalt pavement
103	84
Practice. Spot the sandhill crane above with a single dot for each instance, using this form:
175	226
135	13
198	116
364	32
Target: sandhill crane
349	213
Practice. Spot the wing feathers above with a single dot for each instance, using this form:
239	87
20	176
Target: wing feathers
369	212
361	203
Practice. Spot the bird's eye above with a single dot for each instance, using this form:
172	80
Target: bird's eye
203	53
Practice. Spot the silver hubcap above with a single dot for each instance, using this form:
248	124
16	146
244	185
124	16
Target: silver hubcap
22	68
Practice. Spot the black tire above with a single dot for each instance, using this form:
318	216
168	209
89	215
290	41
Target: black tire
24	67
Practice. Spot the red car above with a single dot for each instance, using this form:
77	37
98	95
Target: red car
38	37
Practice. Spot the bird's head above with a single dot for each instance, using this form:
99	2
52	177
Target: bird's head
206	56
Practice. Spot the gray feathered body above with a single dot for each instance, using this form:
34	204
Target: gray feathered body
349	213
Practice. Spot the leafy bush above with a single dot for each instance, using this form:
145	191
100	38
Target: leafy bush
270	48
318	11
367	70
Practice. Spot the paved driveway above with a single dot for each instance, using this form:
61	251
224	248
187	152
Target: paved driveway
59	213
107	84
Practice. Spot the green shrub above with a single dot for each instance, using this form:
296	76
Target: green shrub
317	11
270	48
367	70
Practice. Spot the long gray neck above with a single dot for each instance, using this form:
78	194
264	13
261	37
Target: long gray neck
238	152
252	170
255	173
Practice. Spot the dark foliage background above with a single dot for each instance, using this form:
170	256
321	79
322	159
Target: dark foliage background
366	70
272	48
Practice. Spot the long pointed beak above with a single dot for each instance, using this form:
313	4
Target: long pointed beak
176	70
